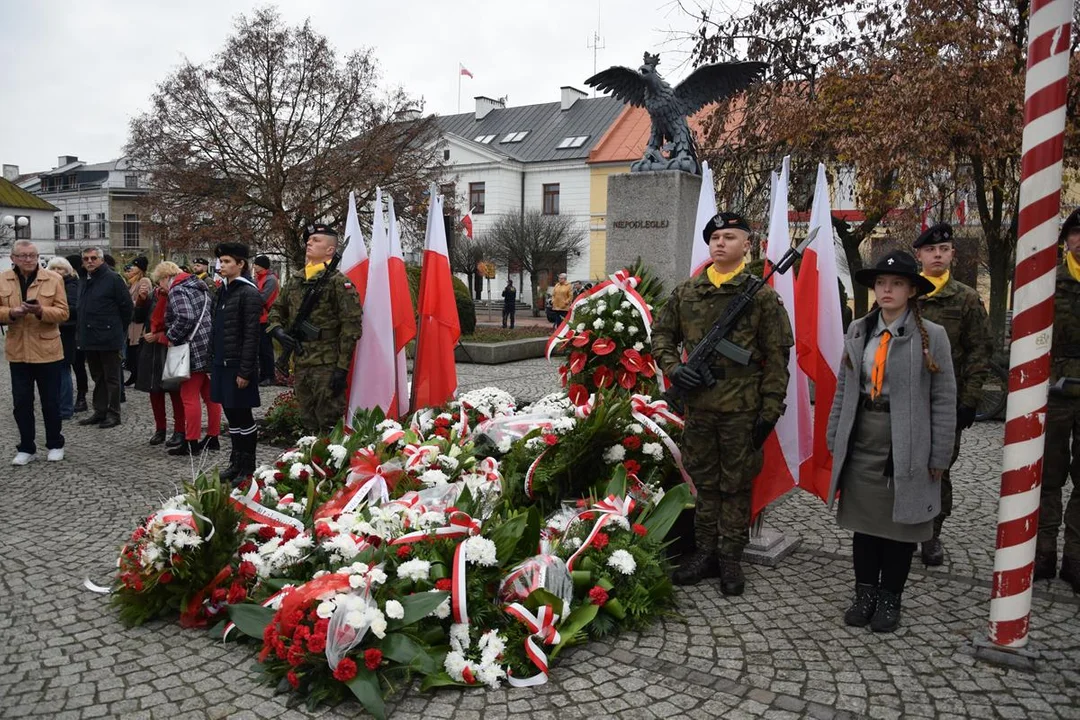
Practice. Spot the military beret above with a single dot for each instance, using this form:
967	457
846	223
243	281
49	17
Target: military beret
1071	223
724	221
200	261
939	233
235	250
318	229
262	261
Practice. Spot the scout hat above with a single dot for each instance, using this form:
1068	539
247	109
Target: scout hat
318	229
235	250
899	263
939	233
723	221
1071	223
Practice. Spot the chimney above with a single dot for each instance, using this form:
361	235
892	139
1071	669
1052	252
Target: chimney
570	96
11	172
484	105
65	160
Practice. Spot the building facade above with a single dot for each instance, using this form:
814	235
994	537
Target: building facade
24	216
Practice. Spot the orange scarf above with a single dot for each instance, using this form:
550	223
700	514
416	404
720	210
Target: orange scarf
877	374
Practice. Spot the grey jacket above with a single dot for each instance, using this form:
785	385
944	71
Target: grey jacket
922	412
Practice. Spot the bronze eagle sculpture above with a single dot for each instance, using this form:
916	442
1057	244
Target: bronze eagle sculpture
669	107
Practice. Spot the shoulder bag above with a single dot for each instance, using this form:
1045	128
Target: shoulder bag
178	359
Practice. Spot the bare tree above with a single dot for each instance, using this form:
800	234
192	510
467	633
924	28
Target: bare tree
274	132
465	254
534	241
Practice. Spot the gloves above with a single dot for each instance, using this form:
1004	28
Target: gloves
338	381
283	337
965	417
762	428
686	379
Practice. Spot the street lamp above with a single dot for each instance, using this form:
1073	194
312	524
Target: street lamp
15	224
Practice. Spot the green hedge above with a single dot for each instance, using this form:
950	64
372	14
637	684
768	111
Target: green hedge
466	308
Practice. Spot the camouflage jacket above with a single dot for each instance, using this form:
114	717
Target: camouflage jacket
764	330
1065	350
337	315
959	309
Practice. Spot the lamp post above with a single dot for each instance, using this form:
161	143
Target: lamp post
14	223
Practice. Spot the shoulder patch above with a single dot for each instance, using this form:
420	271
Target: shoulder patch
348	285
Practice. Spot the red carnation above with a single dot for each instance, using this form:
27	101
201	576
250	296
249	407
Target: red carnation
246	570
598	596
176	560
304	474
603	346
603	377
372	658
237	594
264	653
587	516
442	422
582	503
138	585
579	394
266	533
600	540
294	681
346	670
278	476
317	642
303	632
166	578
247	548
290	533
323	531
404	551
550	439
138	534
279	465
633	467
631	442
322	625
443	584
639	529
295	655
219	595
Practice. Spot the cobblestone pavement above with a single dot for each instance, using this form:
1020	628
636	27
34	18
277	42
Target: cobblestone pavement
779	651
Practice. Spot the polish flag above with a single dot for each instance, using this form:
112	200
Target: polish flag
706	209
354	259
790	443
819	333
404	320
466	222
465	72
434	372
961	211
926	217
373	378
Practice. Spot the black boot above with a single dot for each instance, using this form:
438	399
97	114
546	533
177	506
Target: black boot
933	554
229	473
1045	565
732	580
157	438
210	442
94	419
696	568
177	438
887	615
189	447
1070	572
80	404
863	606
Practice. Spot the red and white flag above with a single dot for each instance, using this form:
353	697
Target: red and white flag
466	222
789	444
404	319
465	72
373	372
819	333
354	259
434	372
706	209
926	217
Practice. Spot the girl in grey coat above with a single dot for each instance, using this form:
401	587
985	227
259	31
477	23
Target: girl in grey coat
891	432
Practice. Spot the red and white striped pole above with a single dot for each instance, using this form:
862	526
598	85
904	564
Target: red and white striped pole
1049	33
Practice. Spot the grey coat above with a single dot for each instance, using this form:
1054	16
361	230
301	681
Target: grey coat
922	411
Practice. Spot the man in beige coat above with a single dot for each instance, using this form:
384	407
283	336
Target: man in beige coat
33	303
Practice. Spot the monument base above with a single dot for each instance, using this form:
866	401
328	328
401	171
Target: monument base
769	547
651	215
1023	659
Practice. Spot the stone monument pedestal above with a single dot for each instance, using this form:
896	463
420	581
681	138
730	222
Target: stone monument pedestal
651	215
768	547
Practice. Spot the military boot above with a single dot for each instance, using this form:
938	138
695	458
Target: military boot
732	581
1045	565
1070	572
887	613
863	606
230	473
933	554
696	568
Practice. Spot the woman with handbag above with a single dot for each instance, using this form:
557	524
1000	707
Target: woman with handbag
139	286
151	365
188	360
234	381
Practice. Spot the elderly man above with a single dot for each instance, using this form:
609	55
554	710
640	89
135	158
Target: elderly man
105	311
33	303
561	297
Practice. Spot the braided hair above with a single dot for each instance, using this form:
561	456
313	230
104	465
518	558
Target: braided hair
928	359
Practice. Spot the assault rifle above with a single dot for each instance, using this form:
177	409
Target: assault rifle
302	330
715	341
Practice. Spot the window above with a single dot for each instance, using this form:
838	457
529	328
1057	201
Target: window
100	225
551	199
131	230
572	142
56	227
131	181
514	137
86	227
476	198
446	154
71	227
484	139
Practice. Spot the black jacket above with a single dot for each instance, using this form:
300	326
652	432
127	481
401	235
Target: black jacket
105	311
237	308
72	288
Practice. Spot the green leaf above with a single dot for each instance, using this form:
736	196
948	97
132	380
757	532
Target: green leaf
365	686
403	649
251	619
437	680
529	544
417	607
506	537
574	624
539	597
617	485
666	513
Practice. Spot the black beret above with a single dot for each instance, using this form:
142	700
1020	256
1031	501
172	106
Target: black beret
1071	223
141	262
318	229
235	250
939	233
200	261
262	261
724	221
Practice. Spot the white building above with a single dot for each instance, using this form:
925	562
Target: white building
509	160
24	216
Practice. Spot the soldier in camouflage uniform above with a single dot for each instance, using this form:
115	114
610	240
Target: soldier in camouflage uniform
200	268
727	424
959	309
322	365
1063	422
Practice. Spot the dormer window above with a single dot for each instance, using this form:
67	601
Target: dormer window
484	139
572	142
514	137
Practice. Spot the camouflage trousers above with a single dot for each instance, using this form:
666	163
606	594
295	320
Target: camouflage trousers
1059	462
719	457
320	409
946	488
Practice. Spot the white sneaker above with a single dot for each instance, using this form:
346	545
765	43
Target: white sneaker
22	458
56	454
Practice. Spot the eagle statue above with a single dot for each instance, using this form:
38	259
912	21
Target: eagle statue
669	107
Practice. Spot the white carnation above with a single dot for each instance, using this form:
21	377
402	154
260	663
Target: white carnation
443	611
394	610
338	453
619	327
580	327
654	450
481	551
306	441
622	561
633	330
598	324
504	445
614	454
326	609
434	477
414	570
639	346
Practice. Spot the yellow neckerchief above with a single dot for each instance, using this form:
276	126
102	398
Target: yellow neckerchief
939	282
718	278
1074	266
311	270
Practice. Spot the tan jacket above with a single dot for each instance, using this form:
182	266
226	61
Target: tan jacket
561	295
29	339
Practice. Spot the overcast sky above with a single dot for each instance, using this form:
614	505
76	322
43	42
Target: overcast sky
74	73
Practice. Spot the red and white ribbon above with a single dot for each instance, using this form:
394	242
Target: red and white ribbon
179	517
249	505
459	525
608	509
642	409
458	605
541	630
532	472
621	281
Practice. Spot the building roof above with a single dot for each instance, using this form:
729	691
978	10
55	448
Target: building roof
547	126
625	139
13	196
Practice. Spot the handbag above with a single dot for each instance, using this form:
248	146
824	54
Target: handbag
178	358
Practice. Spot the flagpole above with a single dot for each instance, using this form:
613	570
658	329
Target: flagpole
459	66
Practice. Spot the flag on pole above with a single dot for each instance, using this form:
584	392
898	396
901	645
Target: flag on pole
404	320
465	72
961	210
354	260
706	209
926	216
466	222
819	333
789	444
434	372
373	376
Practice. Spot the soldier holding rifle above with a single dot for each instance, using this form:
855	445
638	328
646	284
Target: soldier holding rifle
317	319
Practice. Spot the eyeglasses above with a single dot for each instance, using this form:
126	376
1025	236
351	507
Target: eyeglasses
91	259
25	256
